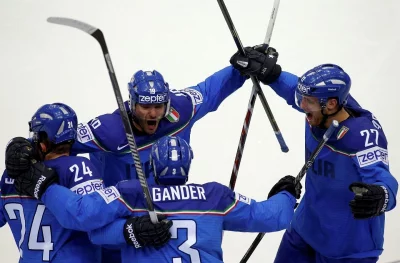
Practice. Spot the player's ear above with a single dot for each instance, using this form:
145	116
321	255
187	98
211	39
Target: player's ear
332	104
43	147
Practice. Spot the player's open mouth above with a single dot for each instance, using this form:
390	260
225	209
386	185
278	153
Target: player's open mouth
309	115
152	124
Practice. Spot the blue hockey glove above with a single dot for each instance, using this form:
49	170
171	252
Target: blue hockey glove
370	200
140	231
259	61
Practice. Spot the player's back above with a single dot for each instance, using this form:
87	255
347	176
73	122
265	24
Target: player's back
37	233
197	213
200	213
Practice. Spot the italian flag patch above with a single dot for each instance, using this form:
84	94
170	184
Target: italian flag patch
173	115
342	132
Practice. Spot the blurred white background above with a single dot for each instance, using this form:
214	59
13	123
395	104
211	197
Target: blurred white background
187	41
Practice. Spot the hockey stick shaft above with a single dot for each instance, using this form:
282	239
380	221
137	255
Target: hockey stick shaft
253	97
255	81
98	35
301	174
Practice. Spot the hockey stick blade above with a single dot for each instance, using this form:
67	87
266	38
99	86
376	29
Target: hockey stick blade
98	35
300	175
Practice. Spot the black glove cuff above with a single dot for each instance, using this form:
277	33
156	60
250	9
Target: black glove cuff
129	233
271	77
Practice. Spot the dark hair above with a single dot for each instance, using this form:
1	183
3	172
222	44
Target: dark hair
61	148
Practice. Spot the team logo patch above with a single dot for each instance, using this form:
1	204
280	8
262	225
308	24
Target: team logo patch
84	133
88	187
342	132
372	155
242	198
195	95
109	194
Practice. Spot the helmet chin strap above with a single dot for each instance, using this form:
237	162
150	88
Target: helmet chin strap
326	116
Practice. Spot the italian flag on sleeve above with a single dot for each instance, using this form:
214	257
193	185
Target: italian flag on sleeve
173	115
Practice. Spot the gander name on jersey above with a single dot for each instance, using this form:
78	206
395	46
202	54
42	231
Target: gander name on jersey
178	192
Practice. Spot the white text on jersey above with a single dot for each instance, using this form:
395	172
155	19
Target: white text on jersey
178	192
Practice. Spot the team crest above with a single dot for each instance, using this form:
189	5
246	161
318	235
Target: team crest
173	115
342	132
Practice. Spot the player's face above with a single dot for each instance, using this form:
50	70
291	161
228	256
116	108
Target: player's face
312	108
149	115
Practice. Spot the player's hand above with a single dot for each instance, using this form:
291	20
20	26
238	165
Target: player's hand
287	183
140	231
36	180
370	200
259	61
19	153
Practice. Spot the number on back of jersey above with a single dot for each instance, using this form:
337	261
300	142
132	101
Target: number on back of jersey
85	171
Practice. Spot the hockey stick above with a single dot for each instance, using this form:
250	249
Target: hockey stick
301	174
98	35
257	88
249	114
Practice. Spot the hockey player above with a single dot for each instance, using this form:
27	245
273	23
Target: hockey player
37	233
199	213
332	223
155	111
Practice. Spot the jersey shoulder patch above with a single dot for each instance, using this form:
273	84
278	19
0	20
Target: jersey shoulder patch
194	94
366	140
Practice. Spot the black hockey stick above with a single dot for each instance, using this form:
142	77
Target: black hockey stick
98	35
249	114
301	174
255	81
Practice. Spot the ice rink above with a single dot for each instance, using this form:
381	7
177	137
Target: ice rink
187	41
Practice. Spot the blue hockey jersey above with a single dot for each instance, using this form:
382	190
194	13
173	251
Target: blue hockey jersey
357	152
105	139
200	213
37	233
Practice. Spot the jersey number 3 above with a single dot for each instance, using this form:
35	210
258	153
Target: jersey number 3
46	245
186	247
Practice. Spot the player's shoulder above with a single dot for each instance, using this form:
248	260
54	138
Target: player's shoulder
130	191
129	187
75	172
360	133
106	130
6	184
215	186
190	94
217	191
67	161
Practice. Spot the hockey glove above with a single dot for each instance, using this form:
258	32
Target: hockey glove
35	182
370	200
259	61
19	153
140	231
287	183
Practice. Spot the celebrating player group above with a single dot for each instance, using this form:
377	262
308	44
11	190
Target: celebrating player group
62	207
